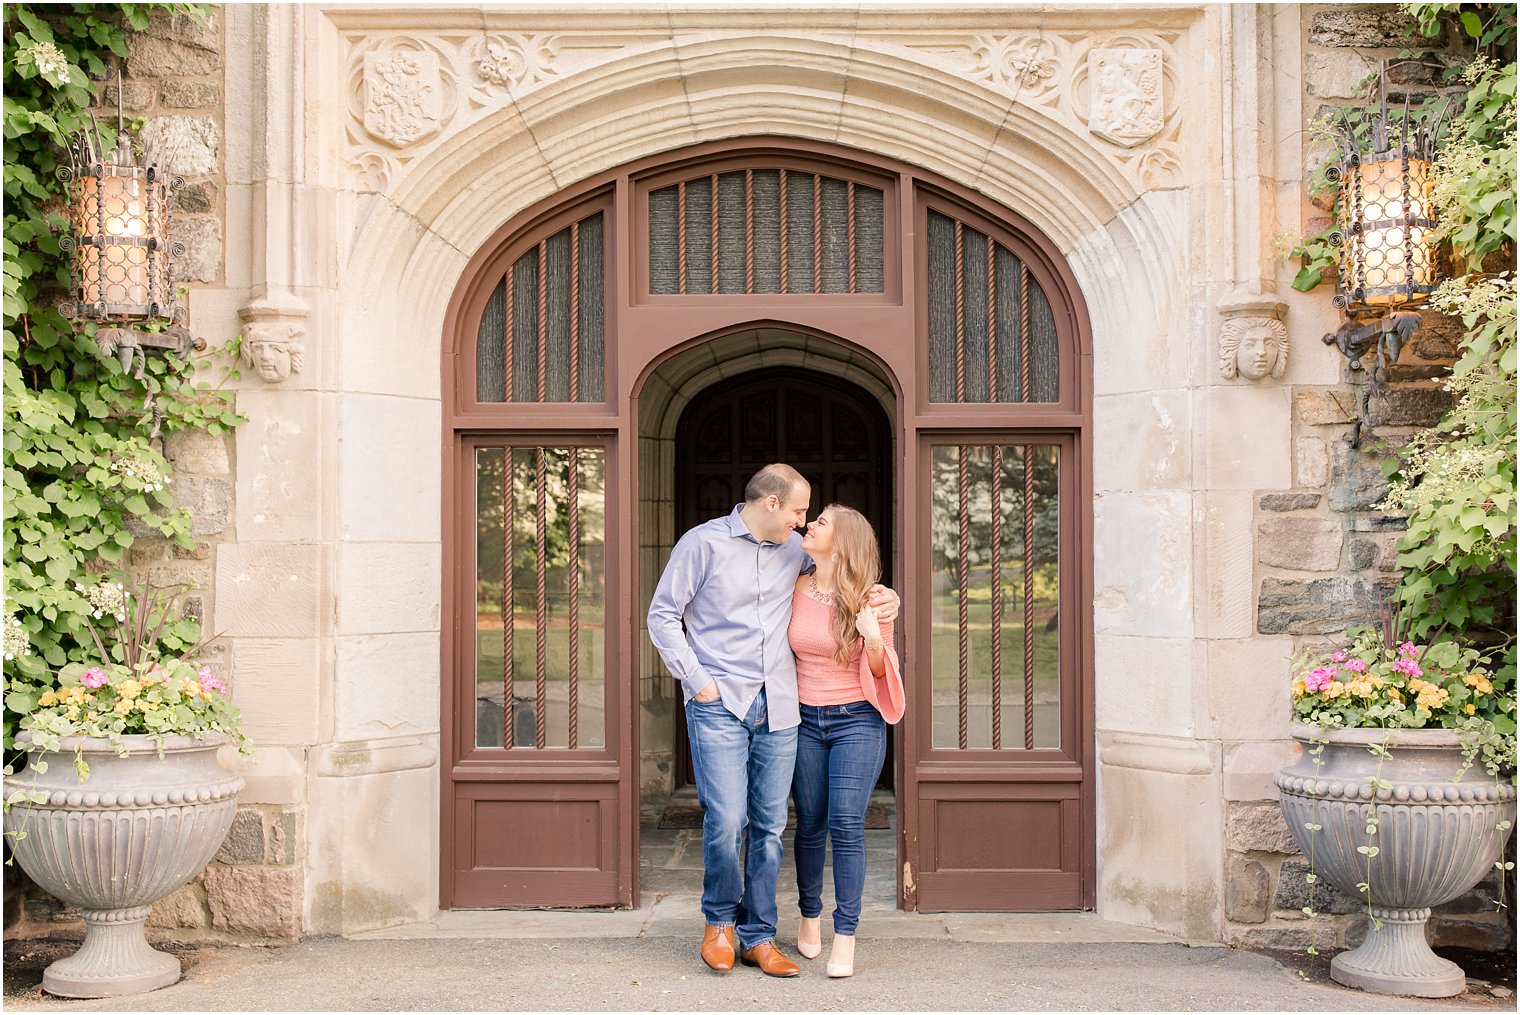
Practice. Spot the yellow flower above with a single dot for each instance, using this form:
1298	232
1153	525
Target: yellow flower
1469	708
1335	690
72	712
129	689
1361	688
1300	688
123	706
48	698
1394	695
1432	697
189	686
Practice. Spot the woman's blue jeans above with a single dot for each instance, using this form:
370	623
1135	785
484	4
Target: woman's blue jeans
840	749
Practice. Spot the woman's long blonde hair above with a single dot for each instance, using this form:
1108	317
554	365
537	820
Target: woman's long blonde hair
857	566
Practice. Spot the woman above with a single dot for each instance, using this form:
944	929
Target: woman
849	687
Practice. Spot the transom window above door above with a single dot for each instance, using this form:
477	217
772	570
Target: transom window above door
768	226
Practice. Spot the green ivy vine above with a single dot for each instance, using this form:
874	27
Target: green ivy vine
82	481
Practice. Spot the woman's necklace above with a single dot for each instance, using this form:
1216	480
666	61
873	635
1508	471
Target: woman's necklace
827	598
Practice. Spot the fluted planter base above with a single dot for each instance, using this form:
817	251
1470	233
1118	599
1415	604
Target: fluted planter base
1395	959
115	959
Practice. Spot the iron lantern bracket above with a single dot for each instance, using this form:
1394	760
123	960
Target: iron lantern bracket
127	344
1388	335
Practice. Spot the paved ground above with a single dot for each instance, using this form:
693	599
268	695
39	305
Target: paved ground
646	960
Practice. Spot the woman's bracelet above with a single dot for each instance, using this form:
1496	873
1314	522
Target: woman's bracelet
878	647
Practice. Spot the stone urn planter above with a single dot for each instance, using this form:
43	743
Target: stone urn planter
138	828
1435	839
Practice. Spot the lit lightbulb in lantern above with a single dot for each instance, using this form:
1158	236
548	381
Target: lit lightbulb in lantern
1395	254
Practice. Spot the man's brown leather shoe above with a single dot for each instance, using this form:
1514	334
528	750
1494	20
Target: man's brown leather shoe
770	960
718	948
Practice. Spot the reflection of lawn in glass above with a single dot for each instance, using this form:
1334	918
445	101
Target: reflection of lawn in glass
946	669
590	680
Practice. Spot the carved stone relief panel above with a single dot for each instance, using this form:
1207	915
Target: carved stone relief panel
411	90
1122	88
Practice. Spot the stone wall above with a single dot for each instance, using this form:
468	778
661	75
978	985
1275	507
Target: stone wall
1325	555
172	84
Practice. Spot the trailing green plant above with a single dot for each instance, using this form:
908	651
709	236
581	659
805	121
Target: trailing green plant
1457	480
82	481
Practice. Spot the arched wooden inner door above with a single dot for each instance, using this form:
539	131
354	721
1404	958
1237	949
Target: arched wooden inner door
826	428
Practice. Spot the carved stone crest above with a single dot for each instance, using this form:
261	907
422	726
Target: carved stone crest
1018	65
511	62
1126	95
401	95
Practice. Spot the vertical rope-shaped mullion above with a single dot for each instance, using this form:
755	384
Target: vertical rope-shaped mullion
509	336
963	489
540	706
681	237
575	312
713	227
850	204
749	231
997	597
993	395
1025	372
817	233
960	314
508	599
1028	596
574	569
543	317
785	284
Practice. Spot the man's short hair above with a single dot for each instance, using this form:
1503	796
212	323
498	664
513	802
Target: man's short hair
777	479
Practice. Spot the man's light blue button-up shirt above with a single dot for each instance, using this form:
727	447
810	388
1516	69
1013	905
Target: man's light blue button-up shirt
734	594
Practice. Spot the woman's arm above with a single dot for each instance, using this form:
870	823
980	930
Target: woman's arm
870	628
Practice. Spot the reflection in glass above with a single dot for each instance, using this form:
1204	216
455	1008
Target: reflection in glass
995	535
553	692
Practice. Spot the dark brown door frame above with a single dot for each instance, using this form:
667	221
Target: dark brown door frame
886	327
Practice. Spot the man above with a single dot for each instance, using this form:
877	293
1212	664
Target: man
730	581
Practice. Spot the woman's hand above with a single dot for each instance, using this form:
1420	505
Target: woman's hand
869	626
885	601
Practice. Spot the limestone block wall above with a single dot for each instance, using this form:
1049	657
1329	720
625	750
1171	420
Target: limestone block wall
1324	555
171	93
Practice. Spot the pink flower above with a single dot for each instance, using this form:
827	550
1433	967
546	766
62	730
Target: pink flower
1338	657
1409	667
209	682
94	677
1319	679
1408	649
1356	666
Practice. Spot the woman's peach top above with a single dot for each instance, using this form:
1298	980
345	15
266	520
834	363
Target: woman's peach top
823	680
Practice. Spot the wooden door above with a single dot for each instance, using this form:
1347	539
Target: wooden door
830	430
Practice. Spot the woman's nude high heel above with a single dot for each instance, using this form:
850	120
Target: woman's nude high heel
842	958
810	937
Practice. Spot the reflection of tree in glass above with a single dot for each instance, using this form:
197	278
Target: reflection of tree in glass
591	479
945	505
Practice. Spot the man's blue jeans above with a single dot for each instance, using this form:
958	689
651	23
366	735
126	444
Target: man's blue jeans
743	770
840	749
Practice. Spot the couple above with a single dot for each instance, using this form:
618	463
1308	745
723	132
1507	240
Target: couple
783	647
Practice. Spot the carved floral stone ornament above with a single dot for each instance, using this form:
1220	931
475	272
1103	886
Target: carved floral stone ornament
1127	106
1017	64
511	62
273	329
401	96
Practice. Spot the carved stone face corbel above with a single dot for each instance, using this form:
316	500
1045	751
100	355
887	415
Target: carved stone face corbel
274	326
1253	341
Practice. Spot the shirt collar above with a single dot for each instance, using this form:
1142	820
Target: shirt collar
736	526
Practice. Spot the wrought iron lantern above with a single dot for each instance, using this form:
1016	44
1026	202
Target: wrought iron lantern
1385	229
121	255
